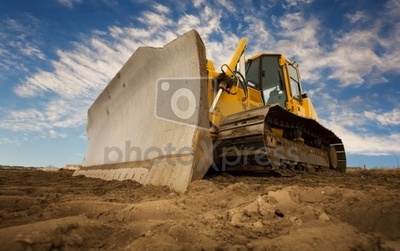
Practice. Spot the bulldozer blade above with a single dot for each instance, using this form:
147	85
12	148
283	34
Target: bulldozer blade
150	124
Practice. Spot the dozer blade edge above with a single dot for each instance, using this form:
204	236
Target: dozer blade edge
136	129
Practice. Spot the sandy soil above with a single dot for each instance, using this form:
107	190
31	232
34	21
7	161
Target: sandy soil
55	211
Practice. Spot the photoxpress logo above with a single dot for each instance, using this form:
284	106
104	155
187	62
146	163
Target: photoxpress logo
178	99
229	156
129	152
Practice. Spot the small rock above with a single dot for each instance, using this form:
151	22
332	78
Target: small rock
148	233
26	239
324	217
296	221
237	220
250	246
258	224
178	232
120	217
35	209
223	203
279	213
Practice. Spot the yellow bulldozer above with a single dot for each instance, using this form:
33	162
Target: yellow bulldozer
168	116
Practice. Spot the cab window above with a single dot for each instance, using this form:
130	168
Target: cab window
272	81
253	73
294	82
265	74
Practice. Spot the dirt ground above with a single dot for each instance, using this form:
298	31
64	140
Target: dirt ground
322	211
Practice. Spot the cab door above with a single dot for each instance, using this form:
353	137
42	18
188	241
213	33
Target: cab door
294	103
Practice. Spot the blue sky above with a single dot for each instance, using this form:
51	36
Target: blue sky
56	56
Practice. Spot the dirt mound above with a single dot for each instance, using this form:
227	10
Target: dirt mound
55	211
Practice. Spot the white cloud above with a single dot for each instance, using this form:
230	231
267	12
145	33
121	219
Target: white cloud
19	120
353	57
264	41
153	19
363	143
296	3
297	39
20	38
391	118
198	3
358	16
69	3
229	5
350	59
186	23
353	127
58	114
161	8
8	141
28	49
393	9
77	73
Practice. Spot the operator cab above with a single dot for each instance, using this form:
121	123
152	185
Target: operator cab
266	73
